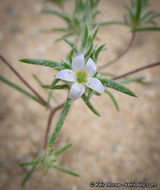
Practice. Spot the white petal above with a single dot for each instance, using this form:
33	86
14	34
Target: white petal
66	75
78	63
76	90
90	67
95	84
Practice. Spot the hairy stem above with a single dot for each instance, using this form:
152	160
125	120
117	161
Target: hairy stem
22	79
136	70
121	54
52	113
60	122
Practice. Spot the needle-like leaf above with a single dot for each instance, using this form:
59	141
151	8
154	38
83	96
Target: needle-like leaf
18	88
117	86
113	99
58	152
28	175
90	106
65	170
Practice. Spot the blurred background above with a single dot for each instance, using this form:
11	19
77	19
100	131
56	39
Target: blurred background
115	147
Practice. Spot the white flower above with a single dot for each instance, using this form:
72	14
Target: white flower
81	75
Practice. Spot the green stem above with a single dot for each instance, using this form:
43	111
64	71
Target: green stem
49	123
60	122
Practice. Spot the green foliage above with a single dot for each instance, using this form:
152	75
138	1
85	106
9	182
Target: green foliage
82	24
28	175
58	152
85	13
90	106
116	86
60	123
48	63
88	48
47	161
49	93
146	29
56	87
65	170
112	98
18	88
138	17
59	3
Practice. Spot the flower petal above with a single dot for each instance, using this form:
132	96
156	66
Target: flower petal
66	75
95	84
76	90
90	67
78	63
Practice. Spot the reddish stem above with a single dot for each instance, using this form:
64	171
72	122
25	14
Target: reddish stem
136	70
121	54
22	79
52	113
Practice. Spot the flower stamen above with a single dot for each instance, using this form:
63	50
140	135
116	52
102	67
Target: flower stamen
81	77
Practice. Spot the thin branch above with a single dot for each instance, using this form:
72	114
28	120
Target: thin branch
121	54
136	70
52	113
22	79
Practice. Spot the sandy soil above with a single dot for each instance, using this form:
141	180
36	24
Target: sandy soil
115	147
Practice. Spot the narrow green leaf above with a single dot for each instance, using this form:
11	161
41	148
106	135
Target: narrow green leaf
58	30
130	80
63	86
94	33
64	16
54	30
111	23
98	50
87	54
29	163
42	62
69	42
131	14
145	17
56	87
90	106
113	99
60	122
85	38
108	74
28	175
65	36
90	93
50	95
146	29
62	149
18	88
71	54
55	81
154	15
65	170
116	86
138	11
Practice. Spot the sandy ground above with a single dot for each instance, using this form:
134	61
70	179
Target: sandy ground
115	147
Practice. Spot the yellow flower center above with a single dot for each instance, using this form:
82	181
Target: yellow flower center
81	77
